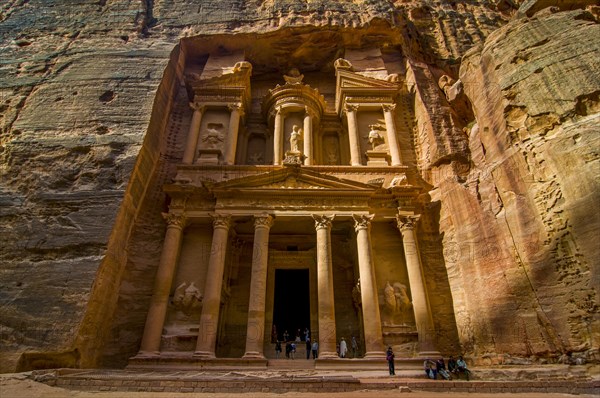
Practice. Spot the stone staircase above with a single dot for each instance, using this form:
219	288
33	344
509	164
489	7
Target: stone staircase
284	364
288	379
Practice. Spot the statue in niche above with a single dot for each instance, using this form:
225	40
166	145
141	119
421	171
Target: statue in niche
293	77
374	136
214	135
331	154
187	298
397	304
295	138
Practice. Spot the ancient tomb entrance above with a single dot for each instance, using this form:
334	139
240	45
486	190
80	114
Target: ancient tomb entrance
291	306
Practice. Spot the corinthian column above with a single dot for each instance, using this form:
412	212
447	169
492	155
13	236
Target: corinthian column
232	137
368	291
193	134
278	137
308	160
162	285
327	336
258	287
211	303
423	318
390	128
355	159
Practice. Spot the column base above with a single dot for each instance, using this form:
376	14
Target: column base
374	355
253	355
328	355
204	355
147	354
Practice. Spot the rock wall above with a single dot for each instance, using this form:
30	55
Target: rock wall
86	91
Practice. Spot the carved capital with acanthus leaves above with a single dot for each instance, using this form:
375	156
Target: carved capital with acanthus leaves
323	221
175	220
406	223
362	221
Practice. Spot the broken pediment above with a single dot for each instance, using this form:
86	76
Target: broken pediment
363	89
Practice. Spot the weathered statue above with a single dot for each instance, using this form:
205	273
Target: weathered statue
374	137
187	297
390	298
295	138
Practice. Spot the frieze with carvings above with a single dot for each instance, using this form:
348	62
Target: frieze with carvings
294	204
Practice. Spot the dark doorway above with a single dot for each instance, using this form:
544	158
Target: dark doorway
291	309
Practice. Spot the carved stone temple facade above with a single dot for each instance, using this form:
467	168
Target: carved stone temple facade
292	212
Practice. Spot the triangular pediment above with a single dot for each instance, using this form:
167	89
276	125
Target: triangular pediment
292	179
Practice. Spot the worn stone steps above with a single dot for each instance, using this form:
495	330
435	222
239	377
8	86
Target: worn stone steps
294	380
298	363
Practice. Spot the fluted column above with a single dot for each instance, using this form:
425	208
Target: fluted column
278	138
193	134
368	291
308	151
326	308
258	288
355	159
162	285
232	138
418	290
207	331
390	128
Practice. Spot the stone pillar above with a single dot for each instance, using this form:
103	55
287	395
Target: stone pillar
162	285
326	308
193	134
390	127
418	290
368	292
232	138
207	331
351	110
308	151
278	138
258	287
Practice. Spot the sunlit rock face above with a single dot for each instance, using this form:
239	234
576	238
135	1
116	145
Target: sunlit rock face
501	136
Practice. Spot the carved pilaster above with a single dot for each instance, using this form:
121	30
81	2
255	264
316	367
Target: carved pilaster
351	110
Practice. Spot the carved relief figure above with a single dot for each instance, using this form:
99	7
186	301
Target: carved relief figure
214	135
187	297
397	304
331	150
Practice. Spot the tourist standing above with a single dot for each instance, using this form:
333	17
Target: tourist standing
293	351
354	347
308	348
343	348
315	349
277	349
389	356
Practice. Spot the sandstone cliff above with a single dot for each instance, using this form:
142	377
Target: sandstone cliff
85	91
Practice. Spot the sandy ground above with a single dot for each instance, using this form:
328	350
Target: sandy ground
19	386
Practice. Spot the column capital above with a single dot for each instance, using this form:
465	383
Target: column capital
408	222
263	220
323	221
175	220
236	107
351	108
221	220
388	107
309	112
196	106
362	221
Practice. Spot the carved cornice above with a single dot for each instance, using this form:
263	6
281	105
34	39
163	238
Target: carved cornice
323	221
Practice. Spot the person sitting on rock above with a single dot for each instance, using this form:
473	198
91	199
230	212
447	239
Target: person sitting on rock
441	369
430	369
461	366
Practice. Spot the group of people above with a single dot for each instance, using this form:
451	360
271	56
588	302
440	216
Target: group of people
292	345
342	348
433	368
455	368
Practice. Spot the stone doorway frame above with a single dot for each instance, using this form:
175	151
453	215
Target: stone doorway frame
279	259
